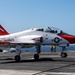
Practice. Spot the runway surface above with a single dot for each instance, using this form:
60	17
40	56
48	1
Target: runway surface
47	64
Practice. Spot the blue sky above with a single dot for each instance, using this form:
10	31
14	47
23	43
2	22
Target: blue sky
17	15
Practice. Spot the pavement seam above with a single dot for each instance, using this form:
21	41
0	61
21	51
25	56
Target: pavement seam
54	69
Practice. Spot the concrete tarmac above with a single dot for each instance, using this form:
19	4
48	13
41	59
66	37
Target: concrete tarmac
47	64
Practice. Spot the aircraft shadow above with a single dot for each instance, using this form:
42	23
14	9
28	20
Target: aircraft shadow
6	59
28	60
10	60
65	60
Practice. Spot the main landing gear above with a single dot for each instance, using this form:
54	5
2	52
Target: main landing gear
36	56
18	52
63	54
17	58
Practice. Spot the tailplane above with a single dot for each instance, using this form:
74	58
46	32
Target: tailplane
3	31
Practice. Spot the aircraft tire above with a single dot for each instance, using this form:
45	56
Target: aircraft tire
36	56
63	55
17	58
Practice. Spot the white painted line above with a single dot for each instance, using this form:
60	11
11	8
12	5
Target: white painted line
58	73
31	72
17	72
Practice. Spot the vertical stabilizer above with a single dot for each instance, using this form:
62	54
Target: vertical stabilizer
3	31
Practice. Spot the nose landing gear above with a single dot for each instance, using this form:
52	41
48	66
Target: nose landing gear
63	54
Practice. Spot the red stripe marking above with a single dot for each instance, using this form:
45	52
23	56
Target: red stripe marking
69	38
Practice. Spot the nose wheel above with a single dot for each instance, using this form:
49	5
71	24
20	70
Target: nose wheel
63	54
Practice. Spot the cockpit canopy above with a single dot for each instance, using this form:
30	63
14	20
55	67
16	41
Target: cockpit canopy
54	30
50	30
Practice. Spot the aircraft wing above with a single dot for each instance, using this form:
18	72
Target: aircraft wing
24	41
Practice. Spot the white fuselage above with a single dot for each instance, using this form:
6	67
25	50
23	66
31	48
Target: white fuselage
25	37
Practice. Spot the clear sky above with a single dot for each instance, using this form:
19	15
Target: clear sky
17	15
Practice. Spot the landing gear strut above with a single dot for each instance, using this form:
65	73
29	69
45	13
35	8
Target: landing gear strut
36	56
18	52
63	54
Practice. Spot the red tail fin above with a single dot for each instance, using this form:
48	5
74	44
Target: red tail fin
3	31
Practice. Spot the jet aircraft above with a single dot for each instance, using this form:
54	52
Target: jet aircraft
36	37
